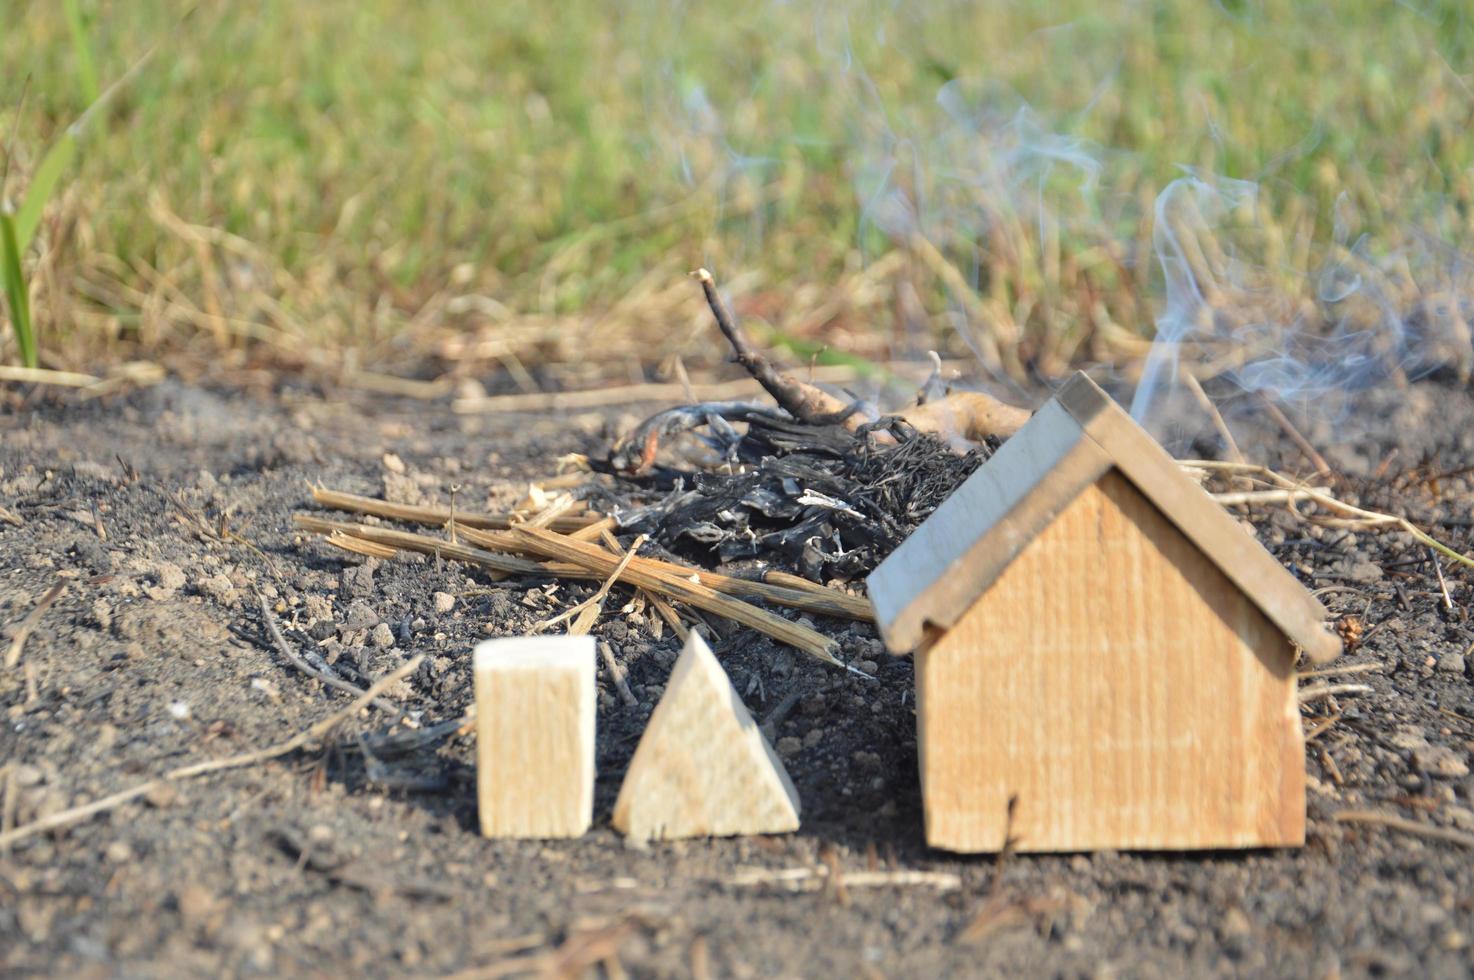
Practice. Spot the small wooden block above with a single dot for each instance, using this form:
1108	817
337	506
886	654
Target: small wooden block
702	768
535	709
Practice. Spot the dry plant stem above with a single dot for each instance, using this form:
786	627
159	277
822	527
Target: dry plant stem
331	680
1406	826
594	531
436	516
812	879
1250	498
814	599
552	401
426	545
358	546
11	518
1363	517
969	415
1196	387
66	818
42	376
803	401
560	506
586	613
616	672
1332	690
1322	468
598	560
835	604
29	624
1341	671
668	613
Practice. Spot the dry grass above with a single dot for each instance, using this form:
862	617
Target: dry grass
354	186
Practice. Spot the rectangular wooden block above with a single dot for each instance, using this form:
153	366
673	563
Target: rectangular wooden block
1121	688
535	708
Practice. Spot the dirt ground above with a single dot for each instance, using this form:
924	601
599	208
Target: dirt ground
326	861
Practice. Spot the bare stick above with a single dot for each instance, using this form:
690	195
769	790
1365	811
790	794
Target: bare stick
1322	468
1406	826
29	624
595	530
358	546
330	679
1448	602
970	415
66	818
803	401
1203	400
621	681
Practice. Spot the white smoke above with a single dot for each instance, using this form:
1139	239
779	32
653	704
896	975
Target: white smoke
1348	318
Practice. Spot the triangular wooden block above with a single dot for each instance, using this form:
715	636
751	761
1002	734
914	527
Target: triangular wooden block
702	768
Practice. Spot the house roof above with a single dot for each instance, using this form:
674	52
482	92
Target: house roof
956	554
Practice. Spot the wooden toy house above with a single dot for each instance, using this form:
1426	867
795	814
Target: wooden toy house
1105	658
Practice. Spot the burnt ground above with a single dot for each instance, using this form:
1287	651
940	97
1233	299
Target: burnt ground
324	861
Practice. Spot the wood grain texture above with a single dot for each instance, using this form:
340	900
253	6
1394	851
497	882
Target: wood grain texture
961	550
1287	603
1117	683
702	768
937	572
535	707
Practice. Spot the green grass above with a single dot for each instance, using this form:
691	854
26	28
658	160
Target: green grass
333	176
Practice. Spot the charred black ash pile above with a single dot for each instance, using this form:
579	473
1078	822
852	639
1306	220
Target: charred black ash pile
816	500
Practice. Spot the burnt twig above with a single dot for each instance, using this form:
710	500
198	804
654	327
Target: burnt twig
801	400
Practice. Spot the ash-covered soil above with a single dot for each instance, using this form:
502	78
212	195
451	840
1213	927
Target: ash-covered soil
167	512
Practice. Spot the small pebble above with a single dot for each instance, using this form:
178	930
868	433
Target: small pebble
382	636
218	587
118	852
359	617
1453	663
1236	923
357	581
788	746
161	795
26	775
1440	760
444	602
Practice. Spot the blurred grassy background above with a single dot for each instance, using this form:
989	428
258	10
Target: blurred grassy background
467	186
